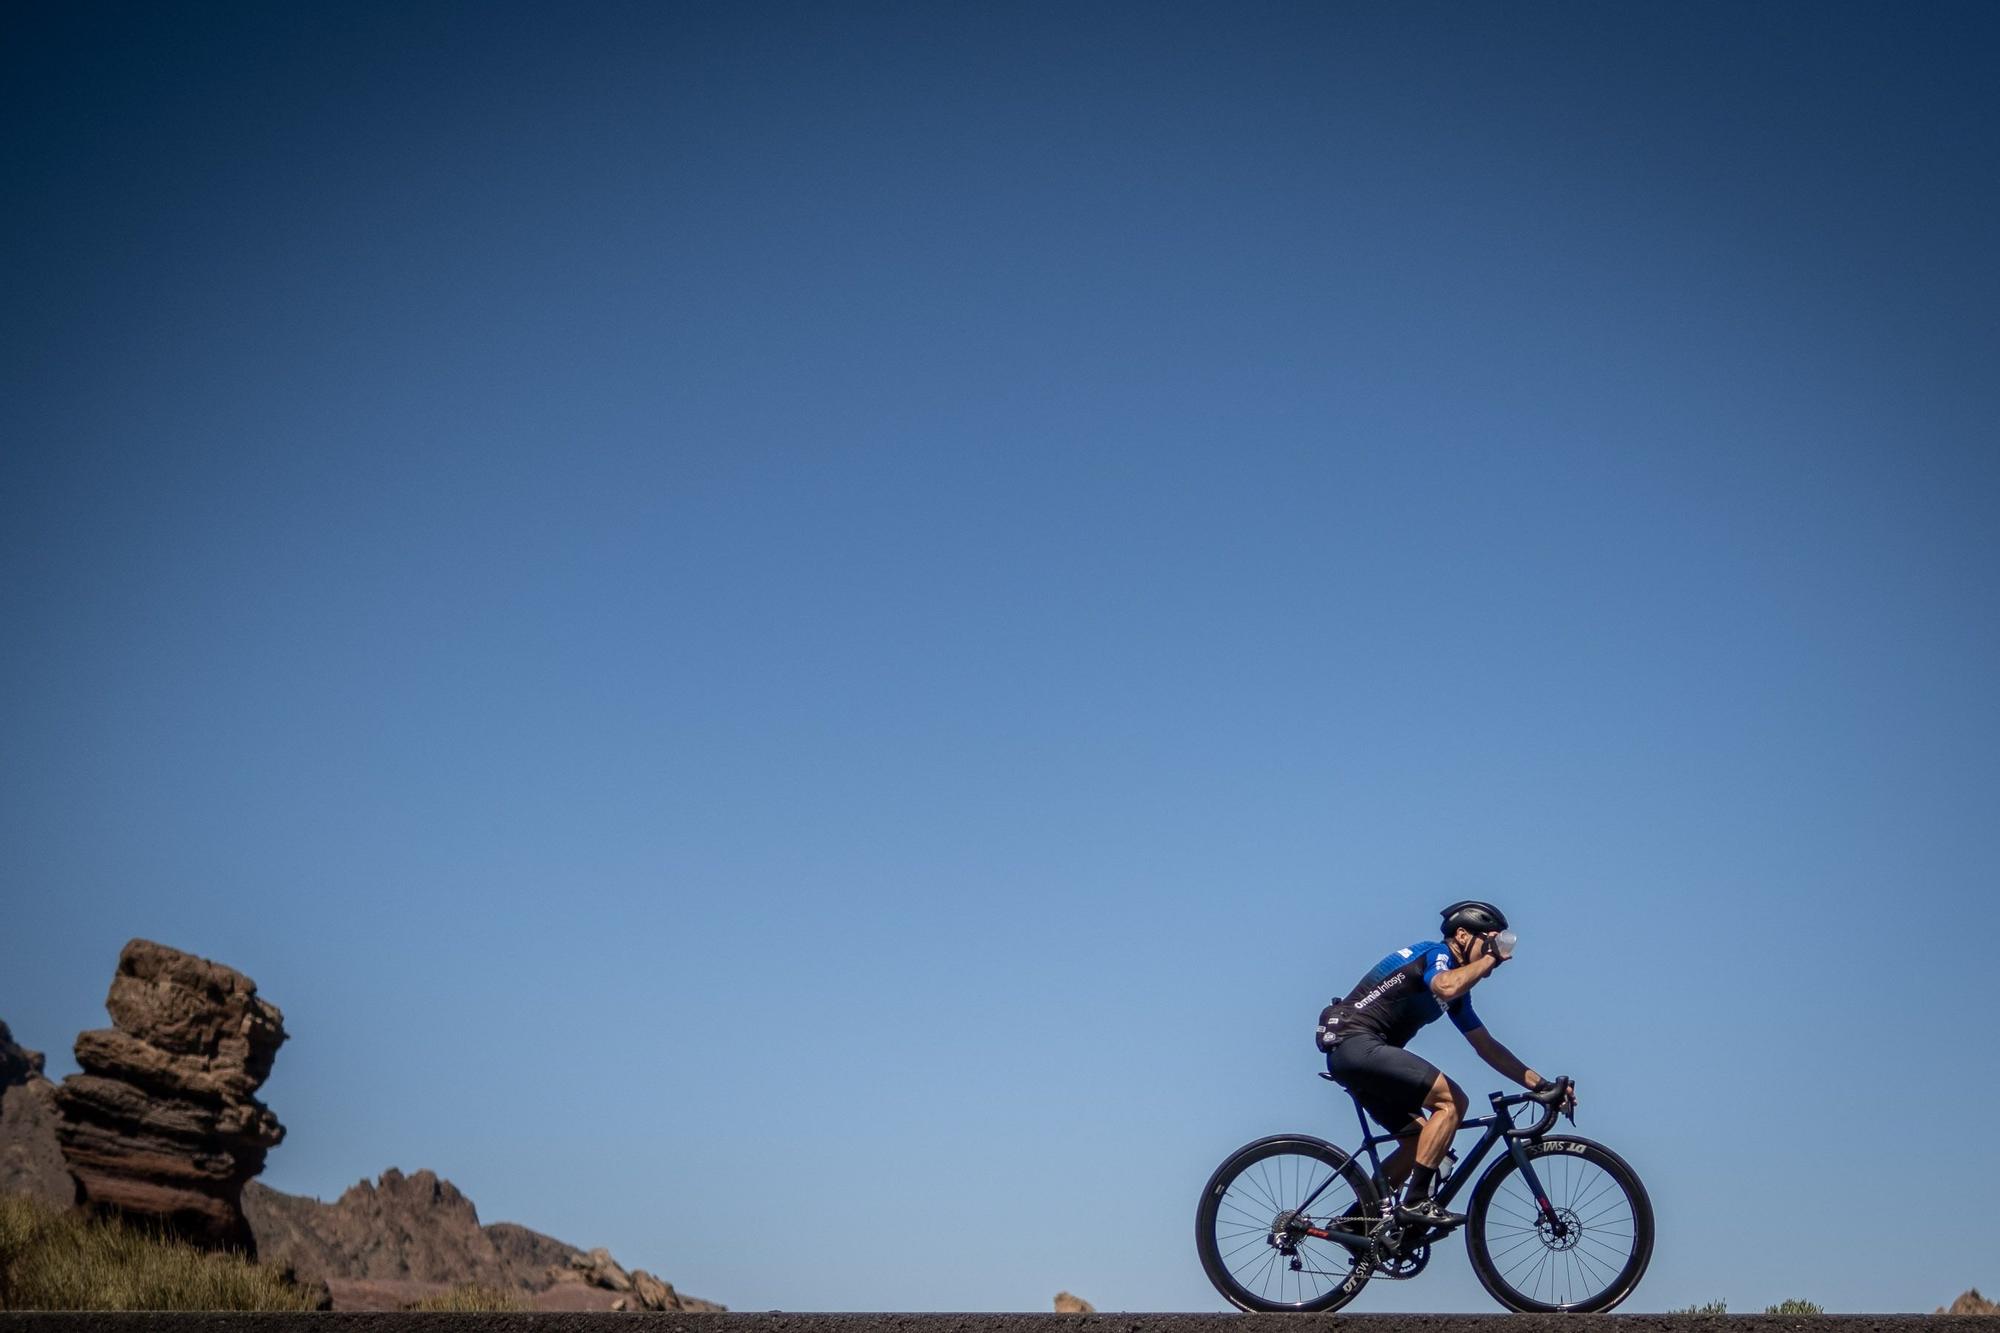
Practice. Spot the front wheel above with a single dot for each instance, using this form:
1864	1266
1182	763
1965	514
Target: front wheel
1584	1253
1256	1222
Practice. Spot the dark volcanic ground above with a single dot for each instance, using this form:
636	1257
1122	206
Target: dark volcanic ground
777	1322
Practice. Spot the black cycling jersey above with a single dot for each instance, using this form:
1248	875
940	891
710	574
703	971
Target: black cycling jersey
1394	1000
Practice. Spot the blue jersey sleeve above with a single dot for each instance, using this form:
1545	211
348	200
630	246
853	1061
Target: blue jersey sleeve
1437	958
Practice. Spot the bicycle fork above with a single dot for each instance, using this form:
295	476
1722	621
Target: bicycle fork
1556	1224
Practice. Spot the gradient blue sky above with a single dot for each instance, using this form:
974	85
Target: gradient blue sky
802	639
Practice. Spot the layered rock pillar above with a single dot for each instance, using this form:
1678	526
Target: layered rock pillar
162	1125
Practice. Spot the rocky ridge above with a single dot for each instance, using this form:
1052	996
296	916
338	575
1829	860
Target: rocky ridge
399	1236
402	1228
1970	1302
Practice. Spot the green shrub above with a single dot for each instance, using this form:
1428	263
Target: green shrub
472	1297
55	1259
1794	1307
1713	1307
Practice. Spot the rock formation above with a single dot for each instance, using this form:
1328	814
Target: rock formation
1970	1303
1068	1304
161	1125
639	1290
30	1161
415	1228
400	1235
403	1227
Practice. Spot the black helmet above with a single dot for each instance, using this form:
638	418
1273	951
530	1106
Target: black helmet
1477	917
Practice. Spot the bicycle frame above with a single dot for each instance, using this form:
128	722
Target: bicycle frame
1499	1127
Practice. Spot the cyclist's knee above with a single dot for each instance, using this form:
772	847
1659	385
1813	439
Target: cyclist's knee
1445	1093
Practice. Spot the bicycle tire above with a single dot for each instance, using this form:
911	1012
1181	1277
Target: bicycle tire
1599	1195
1242	1202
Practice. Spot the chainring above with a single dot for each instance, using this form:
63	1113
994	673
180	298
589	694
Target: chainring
1402	1267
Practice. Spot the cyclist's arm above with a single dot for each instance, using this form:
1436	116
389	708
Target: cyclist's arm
1448	982
1504	1061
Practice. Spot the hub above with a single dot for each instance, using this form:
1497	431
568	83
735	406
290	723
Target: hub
1286	1228
1561	1234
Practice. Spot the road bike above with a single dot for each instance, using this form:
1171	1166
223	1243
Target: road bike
1557	1223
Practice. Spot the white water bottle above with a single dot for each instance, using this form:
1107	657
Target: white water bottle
1503	944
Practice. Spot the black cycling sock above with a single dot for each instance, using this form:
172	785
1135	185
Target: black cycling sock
1419	1187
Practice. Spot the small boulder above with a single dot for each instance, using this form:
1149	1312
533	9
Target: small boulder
601	1270
1969	1303
653	1293
1068	1304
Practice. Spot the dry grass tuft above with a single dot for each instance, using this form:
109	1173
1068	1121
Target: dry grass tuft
55	1259
472	1297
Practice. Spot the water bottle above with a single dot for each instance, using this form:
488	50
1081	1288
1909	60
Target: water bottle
1503	944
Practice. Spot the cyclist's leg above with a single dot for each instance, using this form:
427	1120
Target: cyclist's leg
1447	1104
1396	1167
1391	1084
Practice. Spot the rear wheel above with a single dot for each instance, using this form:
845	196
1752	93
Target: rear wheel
1252	1227
1585	1253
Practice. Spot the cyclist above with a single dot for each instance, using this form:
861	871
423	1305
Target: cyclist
1364	1034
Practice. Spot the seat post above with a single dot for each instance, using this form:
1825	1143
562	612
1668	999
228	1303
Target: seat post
1362	1116
1374	1158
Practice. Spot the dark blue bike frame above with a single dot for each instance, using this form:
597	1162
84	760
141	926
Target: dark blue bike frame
1498	1126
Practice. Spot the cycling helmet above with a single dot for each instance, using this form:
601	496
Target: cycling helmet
1477	917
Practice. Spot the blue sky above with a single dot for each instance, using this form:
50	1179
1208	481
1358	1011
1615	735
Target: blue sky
801	640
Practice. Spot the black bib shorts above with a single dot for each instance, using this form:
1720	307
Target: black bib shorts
1388	1081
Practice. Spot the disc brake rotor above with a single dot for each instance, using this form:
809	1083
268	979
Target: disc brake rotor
1571	1230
